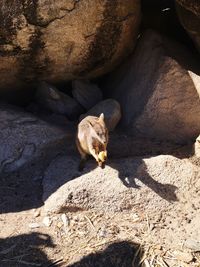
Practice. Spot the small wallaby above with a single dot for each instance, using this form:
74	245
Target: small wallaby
92	139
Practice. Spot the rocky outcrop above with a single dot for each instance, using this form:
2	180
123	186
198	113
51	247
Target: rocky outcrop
62	40
189	14
158	89
146	183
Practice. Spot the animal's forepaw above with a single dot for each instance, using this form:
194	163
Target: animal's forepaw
101	164
81	167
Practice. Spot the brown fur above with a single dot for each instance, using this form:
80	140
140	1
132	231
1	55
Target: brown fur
92	138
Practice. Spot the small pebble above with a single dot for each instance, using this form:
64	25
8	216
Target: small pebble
36	213
102	233
135	217
193	245
47	221
76	218
34	225
59	224
183	256
65	220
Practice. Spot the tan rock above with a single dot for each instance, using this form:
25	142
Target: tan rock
61	40
158	89
111	110
116	186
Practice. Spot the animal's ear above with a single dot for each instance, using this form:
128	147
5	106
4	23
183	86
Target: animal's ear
101	117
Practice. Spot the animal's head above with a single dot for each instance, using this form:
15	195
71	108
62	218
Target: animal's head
102	130
100	139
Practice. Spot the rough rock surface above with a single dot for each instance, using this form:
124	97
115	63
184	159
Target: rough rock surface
121	185
158	89
24	138
111	110
87	94
50	97
64	39
189	14
165	189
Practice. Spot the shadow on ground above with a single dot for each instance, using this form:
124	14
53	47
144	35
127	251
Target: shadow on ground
120	254
28	250
25	250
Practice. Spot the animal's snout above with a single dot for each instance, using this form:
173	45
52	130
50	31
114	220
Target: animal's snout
105	156
102	156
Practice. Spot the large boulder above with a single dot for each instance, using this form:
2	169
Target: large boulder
154	183
158	89
189	15
61	40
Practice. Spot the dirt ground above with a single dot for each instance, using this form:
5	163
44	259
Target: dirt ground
29	237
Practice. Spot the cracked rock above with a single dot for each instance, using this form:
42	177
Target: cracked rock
64	40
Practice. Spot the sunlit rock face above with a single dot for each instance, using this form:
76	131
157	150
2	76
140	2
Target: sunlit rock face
61	40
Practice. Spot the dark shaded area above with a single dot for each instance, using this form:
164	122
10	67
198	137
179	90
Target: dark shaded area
161	16
25	250
21	190
120	254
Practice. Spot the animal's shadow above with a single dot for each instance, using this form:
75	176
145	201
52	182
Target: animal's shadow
135	169
132	169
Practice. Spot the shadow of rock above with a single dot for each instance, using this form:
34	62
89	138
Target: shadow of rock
25	250
120	254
